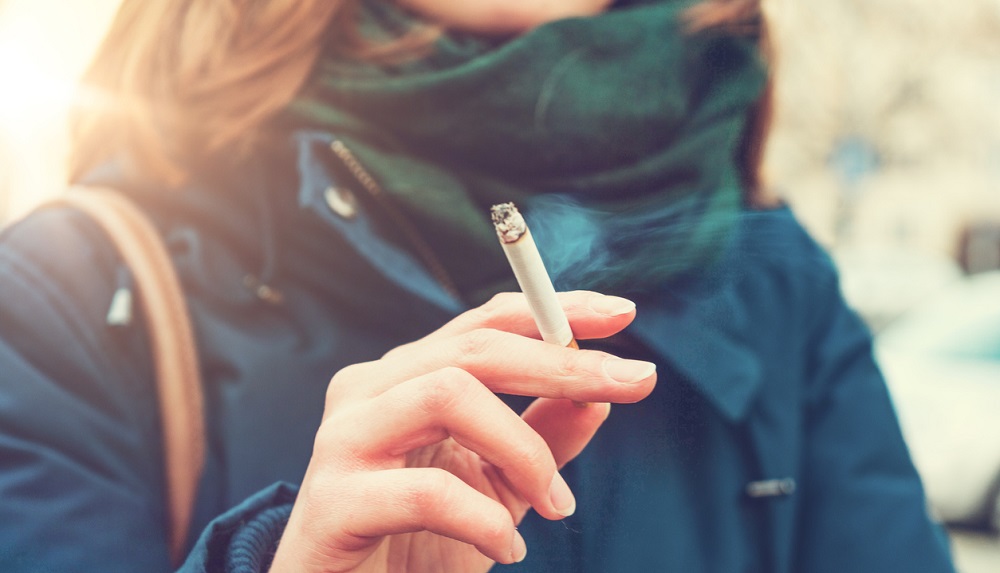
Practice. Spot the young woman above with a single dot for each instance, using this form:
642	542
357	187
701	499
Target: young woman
321	172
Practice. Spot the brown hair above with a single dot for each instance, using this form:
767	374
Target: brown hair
176	79
744	17
180	79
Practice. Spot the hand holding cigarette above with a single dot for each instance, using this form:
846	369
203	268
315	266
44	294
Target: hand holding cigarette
418	461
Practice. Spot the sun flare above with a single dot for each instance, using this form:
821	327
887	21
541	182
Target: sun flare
44	47
33	92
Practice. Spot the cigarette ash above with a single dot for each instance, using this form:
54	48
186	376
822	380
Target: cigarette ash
508	222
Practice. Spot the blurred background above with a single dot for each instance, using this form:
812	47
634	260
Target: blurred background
887	146
886	143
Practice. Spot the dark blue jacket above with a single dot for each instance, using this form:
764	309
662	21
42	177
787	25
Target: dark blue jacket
768	446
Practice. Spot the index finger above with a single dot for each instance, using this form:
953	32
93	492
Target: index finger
591	315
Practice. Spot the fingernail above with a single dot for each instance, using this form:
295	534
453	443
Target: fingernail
628	371
561	496
611	305
519	550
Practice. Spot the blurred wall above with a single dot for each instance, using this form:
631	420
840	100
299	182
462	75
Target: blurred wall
888	128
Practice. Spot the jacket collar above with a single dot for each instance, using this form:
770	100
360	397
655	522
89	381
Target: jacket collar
702	329
317	181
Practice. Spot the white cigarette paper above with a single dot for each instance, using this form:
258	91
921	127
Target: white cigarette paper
531	275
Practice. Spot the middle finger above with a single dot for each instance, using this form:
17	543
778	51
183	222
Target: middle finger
510	364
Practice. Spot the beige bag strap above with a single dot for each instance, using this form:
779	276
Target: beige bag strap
173	350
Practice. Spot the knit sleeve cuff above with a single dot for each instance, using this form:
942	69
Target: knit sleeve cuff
253	545
244	539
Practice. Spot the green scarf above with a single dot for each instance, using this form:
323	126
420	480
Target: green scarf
615	134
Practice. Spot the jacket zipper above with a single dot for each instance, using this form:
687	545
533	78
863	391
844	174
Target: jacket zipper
368	183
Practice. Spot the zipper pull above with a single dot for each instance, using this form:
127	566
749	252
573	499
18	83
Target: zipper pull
120	311
263	291
771	488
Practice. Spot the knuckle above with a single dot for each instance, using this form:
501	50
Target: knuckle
342	382
335	394
476	342
496	529
432	490
322	501
535	454
567	365
440	390
492	311
334	440
347	372
398	350
500	301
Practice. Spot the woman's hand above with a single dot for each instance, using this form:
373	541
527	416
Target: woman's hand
502	16
418	466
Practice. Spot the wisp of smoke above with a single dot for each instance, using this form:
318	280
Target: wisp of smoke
632	250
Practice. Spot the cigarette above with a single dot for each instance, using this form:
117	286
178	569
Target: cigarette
522	253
